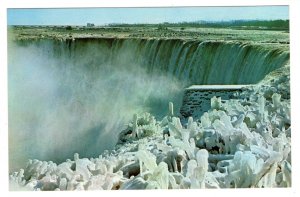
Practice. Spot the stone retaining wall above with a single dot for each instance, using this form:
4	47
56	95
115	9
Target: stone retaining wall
197	98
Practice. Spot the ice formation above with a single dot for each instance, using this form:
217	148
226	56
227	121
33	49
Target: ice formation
243	142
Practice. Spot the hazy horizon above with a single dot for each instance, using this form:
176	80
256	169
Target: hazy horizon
145	15
204	21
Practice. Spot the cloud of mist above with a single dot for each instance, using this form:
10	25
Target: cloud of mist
59	105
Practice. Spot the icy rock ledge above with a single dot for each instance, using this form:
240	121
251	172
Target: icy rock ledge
240	143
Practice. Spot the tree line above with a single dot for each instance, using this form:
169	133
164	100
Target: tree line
252	24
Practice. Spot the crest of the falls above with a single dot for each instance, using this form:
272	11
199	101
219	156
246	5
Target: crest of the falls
196	62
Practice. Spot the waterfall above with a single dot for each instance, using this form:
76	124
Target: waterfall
88	88
198	62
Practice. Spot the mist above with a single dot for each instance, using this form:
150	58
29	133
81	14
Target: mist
67	101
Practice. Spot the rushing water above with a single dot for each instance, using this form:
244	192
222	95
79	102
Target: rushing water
76	96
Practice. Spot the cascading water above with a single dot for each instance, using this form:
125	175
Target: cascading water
197	62
77	95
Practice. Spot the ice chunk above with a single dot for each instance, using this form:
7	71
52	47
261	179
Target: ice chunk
276	100
161	176
171	111
135	183
286	172
216	103
146	159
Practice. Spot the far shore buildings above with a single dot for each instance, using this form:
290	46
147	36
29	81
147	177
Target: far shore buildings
90	24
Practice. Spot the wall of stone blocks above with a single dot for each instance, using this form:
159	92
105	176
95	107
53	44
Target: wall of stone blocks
197	99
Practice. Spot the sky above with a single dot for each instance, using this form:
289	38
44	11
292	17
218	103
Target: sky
102	16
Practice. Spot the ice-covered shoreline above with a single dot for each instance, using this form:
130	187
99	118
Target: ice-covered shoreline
238	143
